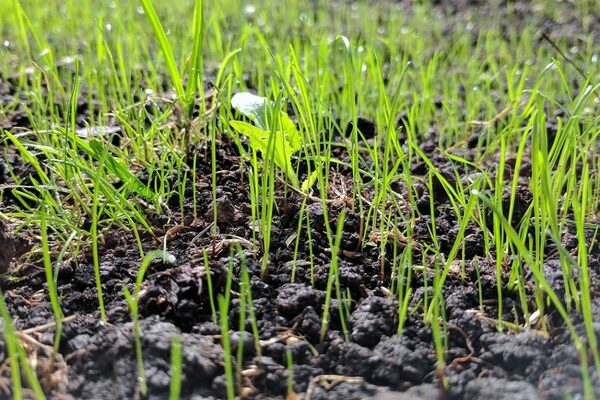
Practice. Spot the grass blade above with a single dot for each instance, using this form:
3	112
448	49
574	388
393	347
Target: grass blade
165	47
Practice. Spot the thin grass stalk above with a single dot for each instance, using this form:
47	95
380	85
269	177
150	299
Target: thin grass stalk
52	293
176	372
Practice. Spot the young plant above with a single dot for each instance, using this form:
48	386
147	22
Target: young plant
290	373
333	277
52	292
544	285
246	292
273	134
224	301
18	359
175	387
132	302
186	95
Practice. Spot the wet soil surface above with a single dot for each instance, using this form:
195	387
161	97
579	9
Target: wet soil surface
373	360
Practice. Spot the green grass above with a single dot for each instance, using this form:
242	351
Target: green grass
175	387
143	65
133	303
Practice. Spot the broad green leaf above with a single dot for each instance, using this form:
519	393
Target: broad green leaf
282	154
258	137
253	107
259	141
293	137
261	111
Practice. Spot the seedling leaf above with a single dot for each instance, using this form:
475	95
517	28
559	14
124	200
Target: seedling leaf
261	111
98	151
259	141
253	107
287	140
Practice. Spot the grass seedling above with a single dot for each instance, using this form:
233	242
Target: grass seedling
290	373
246	292
18	359
209	284
497	229
545	286
176	373
579	211
437	333
333	277
12	350
224	301
402	285
441	279
52	293
225	343
351	91
239	357
94	237
185	95
132	302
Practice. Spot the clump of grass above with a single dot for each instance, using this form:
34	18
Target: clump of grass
186	95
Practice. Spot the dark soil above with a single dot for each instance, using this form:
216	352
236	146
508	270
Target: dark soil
97	360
